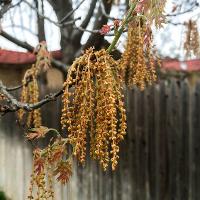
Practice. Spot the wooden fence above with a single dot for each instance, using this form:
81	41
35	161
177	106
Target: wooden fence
159	159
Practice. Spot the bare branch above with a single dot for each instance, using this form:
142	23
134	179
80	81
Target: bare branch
94	31
11	89
20	27
195	5
14	105
40	22
105	13
20	43
80	28
58	64
96	40
49	19
14	88
71	12
86	21
7	7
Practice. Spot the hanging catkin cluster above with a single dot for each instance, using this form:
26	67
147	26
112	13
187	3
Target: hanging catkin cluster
94	106
152	10
52	161
137	63
30	90
191	44
30	94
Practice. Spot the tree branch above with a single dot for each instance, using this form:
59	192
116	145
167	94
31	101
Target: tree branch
49	19
195	5
71	12
86	21
59	65
105	13
7	7
97	40
78	32
14	105
40	22
20	43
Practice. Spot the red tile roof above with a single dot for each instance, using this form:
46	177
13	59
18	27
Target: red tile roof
21	58
188	65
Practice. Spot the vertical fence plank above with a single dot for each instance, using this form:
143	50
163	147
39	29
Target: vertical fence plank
152	143
156	138
131	131
163	141
138	133
146	136
184	162
141	148
173	143
196	143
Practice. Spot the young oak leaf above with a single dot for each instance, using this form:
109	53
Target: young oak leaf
38	161
57	153
63	171
36	133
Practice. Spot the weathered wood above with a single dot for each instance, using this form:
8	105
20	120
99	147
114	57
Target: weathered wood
163	141
152	144
184	162
196	143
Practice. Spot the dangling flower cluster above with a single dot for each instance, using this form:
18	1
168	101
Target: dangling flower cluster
95	106
52	161
137	63
152	10
30	94
191	44
30	90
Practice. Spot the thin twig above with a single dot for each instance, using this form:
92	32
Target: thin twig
49	19
8	7
122	28
70	13
104	12
14	105
58	64
196	4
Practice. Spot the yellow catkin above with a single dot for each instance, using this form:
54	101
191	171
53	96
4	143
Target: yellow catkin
137	63
153	10
191	43
30	90
30	94
94	105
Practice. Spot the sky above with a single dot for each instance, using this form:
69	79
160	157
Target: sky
21	23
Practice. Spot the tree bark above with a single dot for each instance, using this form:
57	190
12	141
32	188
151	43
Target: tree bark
68	48
70	37
40	22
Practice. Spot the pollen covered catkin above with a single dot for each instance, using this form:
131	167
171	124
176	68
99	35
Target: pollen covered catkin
137	62
30	89
30	94
191	43
94	106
